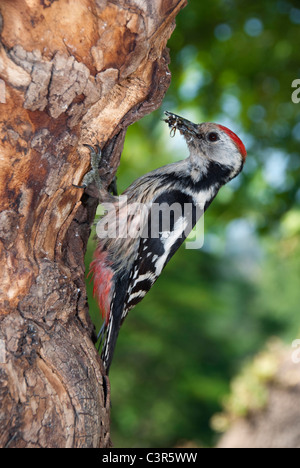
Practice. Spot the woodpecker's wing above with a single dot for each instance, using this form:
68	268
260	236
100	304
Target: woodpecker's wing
171	218
166	225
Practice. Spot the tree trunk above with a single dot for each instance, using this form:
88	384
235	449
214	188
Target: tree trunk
70	73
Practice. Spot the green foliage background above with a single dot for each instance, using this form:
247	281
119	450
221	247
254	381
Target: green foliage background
233	62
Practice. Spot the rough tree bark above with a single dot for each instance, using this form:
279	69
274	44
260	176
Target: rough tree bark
70	73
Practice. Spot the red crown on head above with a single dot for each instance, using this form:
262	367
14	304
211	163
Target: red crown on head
236	140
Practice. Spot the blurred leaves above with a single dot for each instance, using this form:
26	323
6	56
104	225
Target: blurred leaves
233	62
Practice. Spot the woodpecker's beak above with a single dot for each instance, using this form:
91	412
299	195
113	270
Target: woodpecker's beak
185	127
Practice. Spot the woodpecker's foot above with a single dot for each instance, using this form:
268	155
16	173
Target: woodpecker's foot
93	175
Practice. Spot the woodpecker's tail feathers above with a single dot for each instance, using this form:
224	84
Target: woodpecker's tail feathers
109	343
101	334
115	319
104	292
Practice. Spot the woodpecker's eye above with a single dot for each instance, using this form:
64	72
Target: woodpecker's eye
213	136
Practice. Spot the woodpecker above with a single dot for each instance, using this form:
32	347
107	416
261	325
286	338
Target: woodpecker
136	240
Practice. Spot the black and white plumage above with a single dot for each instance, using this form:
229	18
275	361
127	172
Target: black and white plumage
141	233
